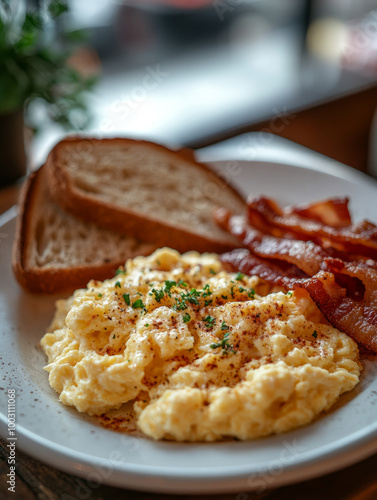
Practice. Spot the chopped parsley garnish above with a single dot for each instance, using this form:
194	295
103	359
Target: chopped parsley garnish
186	317
180	304
193	293
182	283
114	336
224	344
193	300
315	334
225	297
147	324
138	304
100	295
239	276
120	270
215	345
224	326
241	289
251	294
210	320
207	302
212	271
192	297
289	294
118	285
169	285
126	297
158	294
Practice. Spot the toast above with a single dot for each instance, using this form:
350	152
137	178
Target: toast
143	190
53	251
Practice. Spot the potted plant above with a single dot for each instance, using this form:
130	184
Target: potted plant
34	66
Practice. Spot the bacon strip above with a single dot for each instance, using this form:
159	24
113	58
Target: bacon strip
265	215
305	255
356	271
356	319
333	212
345	291
272	272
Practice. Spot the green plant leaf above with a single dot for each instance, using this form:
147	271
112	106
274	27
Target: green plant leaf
31	68
56	8
76	36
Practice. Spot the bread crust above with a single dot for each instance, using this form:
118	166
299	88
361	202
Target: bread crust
127	221
50	280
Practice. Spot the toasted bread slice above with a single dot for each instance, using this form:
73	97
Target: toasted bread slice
53	251
144	190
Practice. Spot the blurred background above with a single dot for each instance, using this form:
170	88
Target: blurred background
193	72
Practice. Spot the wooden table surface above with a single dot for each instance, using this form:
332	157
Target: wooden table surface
36	480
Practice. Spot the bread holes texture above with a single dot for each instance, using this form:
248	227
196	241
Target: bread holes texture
143	190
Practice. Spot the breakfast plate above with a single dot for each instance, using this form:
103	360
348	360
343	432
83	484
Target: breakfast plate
74	442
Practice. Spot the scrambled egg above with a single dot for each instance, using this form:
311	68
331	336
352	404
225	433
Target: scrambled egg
204	353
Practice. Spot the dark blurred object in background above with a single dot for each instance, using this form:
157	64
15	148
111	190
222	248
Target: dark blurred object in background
12	147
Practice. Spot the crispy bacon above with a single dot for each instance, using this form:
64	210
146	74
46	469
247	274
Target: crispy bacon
349	273
355	316
305	255
357	319
276	273
333	212
333	264
265	215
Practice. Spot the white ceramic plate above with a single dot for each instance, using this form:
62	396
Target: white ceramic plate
73	442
